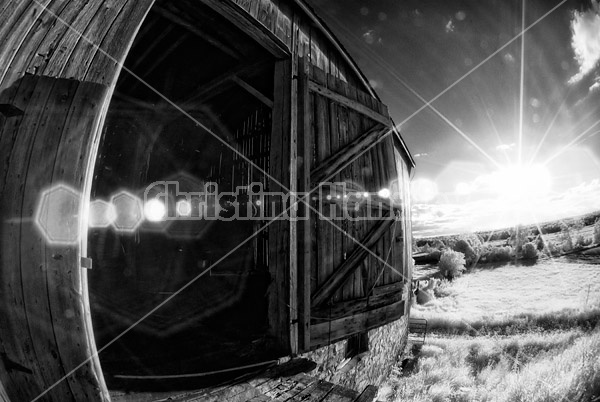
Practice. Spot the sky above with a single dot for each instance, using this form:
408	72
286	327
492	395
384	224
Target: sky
504	126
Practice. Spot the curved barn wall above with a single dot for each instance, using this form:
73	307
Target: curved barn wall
59	61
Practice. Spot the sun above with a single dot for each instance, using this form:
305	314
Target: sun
526	182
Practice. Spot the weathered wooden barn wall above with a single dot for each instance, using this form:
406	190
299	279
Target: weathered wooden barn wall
336	110
59	60
289	21
347	305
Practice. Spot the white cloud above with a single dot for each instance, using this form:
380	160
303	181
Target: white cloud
585	27
493	213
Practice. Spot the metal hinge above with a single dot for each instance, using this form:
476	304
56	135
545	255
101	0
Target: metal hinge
86	263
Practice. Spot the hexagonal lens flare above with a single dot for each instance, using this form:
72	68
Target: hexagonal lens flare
101	214
57	215
128	209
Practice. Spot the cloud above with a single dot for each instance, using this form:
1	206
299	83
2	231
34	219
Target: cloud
585	27
492	213
420	155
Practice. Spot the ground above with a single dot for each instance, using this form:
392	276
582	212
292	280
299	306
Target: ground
509	333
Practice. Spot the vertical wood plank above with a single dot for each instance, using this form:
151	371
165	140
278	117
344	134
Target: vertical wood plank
36	289
72	38
79	137
36	62
17	339
53	302
13	67
279	290
103	67
358	166
284	23
372	179
325	230
393	180
293	189
19	22
337	237
94	33
304	226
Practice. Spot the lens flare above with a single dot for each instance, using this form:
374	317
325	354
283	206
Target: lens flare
522	181
128	209
155	210
57	215
384	193
102	214
184	208
423	190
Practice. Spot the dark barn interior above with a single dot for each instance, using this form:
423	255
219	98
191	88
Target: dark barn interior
223	83
116	274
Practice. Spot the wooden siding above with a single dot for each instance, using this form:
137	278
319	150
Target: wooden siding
282	17
295	24
345	142
59	61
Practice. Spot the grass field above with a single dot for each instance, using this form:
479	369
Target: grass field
561	366
512	333
516	294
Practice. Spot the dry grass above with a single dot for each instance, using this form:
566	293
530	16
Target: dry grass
517	295
536	367
513	333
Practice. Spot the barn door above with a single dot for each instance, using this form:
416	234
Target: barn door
351	266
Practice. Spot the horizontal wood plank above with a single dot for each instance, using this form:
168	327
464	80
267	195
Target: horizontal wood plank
349	103
358	306
386	289
331	331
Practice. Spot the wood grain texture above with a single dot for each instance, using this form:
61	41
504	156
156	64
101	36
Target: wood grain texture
248	23
279	234
305	251
325	332
342	273
353	147
72	54
358	106
368	395
46	325
339	160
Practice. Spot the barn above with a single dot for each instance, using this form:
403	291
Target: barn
188	187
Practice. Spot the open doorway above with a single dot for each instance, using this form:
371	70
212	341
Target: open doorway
222	84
